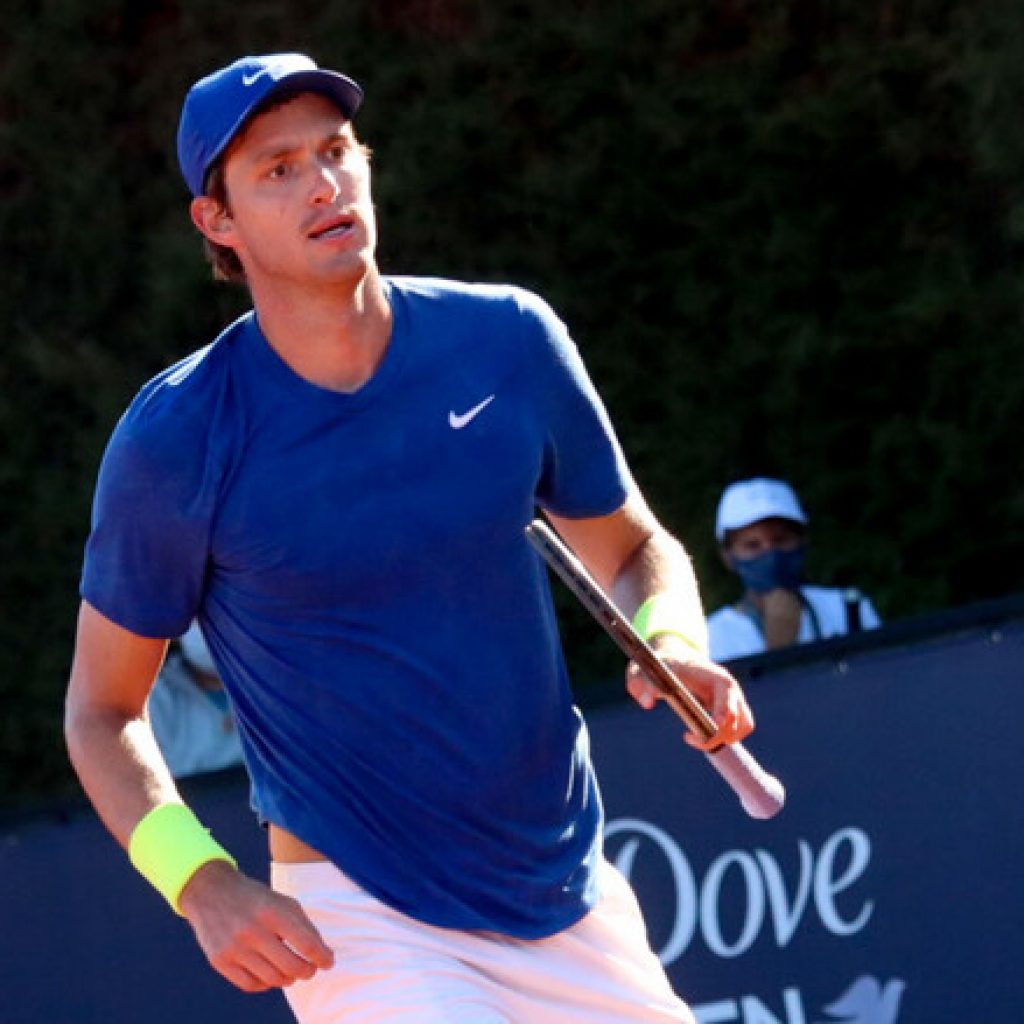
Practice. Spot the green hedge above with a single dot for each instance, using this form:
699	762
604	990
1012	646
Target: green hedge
786	235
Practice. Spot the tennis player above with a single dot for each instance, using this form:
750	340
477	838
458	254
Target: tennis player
337	488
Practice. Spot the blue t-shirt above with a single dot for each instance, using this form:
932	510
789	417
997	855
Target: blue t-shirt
360	571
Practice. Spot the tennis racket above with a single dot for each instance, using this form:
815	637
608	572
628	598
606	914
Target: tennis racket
761	794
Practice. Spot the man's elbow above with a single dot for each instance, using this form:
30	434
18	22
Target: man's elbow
90	725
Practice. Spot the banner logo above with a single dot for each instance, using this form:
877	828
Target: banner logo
759	883
866	1001
745	897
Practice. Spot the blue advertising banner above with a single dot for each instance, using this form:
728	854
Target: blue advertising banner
85	941
887	888
884	893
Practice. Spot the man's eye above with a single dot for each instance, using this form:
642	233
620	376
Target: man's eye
277	171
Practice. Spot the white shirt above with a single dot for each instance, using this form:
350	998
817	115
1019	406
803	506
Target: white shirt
733	633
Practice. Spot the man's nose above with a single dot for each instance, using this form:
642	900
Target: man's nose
325	186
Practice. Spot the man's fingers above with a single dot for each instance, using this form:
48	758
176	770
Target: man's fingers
301	936
288	944
713	686
255	937
296	954
263	962
727	709
695	741
730	711
274	967
239	976
644	692
276	964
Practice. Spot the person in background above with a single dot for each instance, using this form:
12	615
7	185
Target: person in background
189	710
761	529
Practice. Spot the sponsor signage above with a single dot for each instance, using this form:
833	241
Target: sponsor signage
886	892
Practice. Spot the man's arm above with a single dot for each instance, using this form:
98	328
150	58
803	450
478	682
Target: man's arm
111	745
633	557
244	928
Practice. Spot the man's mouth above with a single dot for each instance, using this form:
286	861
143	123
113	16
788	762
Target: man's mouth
333	227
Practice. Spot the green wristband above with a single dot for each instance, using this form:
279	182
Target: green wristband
169	845
659	614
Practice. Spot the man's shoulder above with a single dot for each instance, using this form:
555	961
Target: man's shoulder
480	293
184	393
180	416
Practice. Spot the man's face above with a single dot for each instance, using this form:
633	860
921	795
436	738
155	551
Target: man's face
298	186
766	535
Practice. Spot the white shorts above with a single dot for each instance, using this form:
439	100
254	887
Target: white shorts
389	967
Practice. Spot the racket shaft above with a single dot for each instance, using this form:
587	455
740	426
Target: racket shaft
761	794
575	575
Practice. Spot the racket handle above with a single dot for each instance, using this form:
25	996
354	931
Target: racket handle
761	794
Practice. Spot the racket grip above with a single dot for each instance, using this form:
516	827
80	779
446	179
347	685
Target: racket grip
761	794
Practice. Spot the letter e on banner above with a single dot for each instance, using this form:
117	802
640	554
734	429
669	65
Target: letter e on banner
828	885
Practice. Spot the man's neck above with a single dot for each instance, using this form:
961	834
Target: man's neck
335	338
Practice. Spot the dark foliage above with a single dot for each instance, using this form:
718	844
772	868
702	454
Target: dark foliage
786	235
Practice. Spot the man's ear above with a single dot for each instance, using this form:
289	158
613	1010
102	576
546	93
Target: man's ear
212	219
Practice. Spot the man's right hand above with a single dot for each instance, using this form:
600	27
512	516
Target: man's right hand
256	938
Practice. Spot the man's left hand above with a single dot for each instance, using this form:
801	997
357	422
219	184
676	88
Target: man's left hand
712	685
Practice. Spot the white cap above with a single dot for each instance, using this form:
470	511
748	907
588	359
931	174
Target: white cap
750	501
195	651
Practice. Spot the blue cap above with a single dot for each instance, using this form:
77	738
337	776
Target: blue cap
218	106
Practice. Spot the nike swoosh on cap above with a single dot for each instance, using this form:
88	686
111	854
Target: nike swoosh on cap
457	421
250	79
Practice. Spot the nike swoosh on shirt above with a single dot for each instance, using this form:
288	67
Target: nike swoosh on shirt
457	421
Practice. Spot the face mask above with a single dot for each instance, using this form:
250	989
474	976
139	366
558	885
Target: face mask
773	570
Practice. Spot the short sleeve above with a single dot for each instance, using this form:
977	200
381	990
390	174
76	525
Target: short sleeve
584	471
147	551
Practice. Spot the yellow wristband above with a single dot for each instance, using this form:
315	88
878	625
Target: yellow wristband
660	614
169	845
